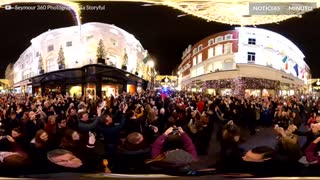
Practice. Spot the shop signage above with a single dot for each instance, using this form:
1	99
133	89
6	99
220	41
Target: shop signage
109	79
285	77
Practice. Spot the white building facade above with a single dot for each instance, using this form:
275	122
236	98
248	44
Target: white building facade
79	44
246	61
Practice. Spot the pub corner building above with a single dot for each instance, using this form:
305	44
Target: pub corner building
245	61
94	59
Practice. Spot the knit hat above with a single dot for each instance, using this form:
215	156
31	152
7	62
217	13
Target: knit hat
178	157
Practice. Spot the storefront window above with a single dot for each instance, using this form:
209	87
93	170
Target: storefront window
90	90
252	92
76	91
108	90
131	89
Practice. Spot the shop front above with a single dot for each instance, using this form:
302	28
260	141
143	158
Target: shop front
91	80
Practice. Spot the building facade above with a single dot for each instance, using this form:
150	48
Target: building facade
244	61
73	48
9	75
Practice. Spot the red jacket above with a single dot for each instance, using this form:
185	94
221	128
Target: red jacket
200	106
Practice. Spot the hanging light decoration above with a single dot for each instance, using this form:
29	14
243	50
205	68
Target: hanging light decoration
233	12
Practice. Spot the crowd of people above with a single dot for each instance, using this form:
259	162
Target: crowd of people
156	132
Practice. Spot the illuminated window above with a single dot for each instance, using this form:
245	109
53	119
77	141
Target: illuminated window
228	37
219	39
199	57
210	53
251	57
252	41
199	48
69	43
195	50
193	73
218	50
227	48
211	42
194	61
50	48
200	71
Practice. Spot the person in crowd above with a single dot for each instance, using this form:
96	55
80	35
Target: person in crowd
173	151
111	132
134	151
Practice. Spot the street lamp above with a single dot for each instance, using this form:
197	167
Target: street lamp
151	66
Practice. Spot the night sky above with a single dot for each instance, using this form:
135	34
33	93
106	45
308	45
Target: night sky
158	29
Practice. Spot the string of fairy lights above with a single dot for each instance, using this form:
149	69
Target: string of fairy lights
233	12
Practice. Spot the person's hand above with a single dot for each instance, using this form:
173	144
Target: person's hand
125	108
317	140
155	129
168	131
10	139
92	138
180	130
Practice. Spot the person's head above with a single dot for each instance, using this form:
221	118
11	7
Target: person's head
107	119
16	160
151	116
162	111
41	136
84	116
32	115
135	138
231	132
64	158
315	128
61	120
259	154
16	132
72	111
52	119
13	115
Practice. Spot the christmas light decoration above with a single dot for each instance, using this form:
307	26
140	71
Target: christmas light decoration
233	12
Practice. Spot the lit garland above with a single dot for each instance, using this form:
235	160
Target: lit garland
223	11
233	12
239	85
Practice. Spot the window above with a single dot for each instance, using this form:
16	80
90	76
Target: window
200	71
228	37
194	61
52	65
211	42
228	64
50	48
69	43
218	50
195	50
219	39
193	73
251	57
199	57
252	41
217	66
227	48
210	53
114	42
199	48
209	68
